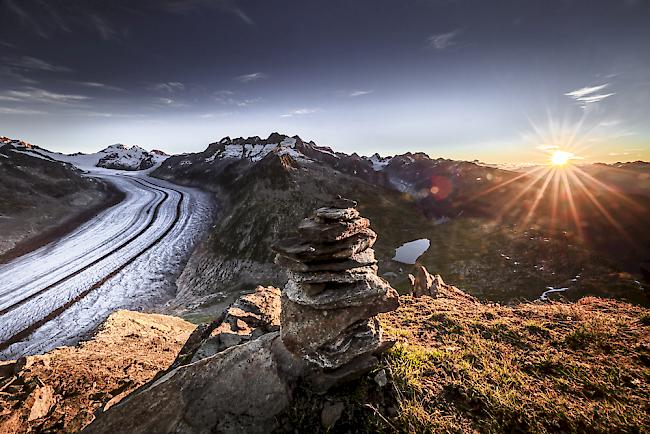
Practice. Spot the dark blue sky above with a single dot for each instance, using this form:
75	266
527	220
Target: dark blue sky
491	80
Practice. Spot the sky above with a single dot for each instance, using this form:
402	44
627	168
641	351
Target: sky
495	81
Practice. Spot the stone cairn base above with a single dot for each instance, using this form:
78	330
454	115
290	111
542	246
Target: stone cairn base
333	293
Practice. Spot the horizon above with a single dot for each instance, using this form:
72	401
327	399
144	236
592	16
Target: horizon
484	82
503	165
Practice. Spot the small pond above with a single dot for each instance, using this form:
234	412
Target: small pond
409	252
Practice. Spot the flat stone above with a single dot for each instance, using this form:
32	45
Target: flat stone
10	368
359	293
343	276
328	213
327	232
358	260
303	251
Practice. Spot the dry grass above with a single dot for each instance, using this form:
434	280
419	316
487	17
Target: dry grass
463	366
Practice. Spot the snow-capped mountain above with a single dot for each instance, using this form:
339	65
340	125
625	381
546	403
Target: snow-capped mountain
134	158
116	156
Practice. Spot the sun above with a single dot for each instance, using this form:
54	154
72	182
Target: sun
560	158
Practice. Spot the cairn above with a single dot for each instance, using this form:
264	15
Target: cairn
333	294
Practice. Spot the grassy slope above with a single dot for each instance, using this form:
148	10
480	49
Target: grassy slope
464	366
555	367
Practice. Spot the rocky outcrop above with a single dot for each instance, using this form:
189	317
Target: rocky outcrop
424	283
61	391
239	390
250	317
333	292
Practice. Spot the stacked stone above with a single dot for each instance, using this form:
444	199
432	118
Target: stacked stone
333	293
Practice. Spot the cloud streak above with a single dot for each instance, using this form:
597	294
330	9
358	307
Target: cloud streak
168	87
32	94
33	64
20	111
589	95
227	97
299	112
247	78
442	41
358	93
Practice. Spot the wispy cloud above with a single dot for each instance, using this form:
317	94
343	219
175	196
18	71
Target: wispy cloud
32	94
547	147
246	78
357	93
104	28
227	97
47	18
97	85
33	64
442	41
589	95
169	102
185	6
20	111
168	87
299	112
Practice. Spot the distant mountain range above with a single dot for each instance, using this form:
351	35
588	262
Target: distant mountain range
495	232
266	186
118	156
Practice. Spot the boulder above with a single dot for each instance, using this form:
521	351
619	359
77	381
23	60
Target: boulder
241	389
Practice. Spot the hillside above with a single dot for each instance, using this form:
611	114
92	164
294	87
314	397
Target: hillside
459	366
42	198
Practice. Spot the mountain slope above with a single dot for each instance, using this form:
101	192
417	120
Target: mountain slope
41	198
265	189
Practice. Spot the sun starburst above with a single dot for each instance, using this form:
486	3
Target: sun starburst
561	158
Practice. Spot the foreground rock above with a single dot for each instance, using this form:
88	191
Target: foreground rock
240	390
250	317
63	389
